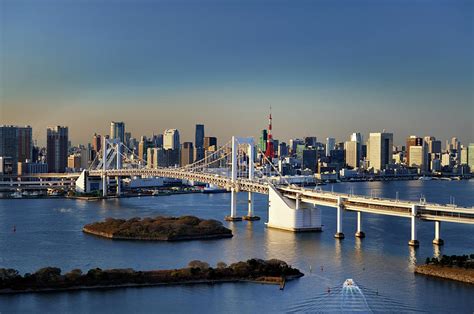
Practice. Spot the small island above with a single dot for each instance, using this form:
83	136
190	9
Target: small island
159	229
50	278
458	268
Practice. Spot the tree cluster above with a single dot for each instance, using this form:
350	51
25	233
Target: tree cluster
464	261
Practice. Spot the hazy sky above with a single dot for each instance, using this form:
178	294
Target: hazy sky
328	68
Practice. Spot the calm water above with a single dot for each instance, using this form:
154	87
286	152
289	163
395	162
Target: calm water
48	233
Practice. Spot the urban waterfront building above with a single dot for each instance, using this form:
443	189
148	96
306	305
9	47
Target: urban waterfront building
380	150
199	142
117	130
25	143
96	142
210	142
262	142
330	145
352	154
187	153
470	156
412	141
57	138
9	148
171	139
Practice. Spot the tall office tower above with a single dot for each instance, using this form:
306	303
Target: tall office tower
417	157
352	154
310	141
282	150
199	142
187	153
25	143
209	142
464	155
96	142
356	137
310	159
57	148
128	136
330	145
294	143
9	149
262	142
456	146
412	140
470	156
142	148
380	150
117	130
171	139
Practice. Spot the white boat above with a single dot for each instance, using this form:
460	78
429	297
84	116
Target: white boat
212	189
348	283
16	194
423	178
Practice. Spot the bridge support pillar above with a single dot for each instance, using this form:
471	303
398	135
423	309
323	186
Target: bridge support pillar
339	234
437	240
413	241
291	215
233	207
250	156
359	233
104	186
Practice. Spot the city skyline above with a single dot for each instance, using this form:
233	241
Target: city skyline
327	68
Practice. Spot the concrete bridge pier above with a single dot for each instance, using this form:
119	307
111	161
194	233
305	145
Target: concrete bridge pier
233	207
359	233
339	234
413	241
437	240
233	193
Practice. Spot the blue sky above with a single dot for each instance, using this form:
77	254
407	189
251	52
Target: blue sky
328	68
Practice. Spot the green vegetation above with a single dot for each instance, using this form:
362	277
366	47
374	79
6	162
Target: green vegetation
463	261
159	228
50	278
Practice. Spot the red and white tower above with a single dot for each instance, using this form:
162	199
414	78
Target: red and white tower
270	152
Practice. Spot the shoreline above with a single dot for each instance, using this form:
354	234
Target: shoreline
447	273
181	238
268	280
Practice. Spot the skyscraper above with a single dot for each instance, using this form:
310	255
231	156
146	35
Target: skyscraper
96	142
262	141
270	150
57	152
470	156
187	153
25	143
171	139
380	150
9	148
210	141
412	140
117	130
330	145
199	142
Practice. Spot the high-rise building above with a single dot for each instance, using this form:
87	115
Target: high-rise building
464	155
210	141
352	154
57	148
262	142
282	150
417	157
128	136
9	148
470	156
25	143
171	139
187	153
96	142
330	145
117	130
310	160
380	150
199	142
311	141
412	141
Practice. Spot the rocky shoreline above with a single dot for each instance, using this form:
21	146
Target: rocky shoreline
447	272
50	279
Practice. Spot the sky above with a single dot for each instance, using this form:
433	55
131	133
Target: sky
327	68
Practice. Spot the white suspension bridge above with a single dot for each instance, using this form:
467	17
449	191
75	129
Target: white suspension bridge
291	207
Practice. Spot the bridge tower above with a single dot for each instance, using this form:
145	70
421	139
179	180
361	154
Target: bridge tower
234	176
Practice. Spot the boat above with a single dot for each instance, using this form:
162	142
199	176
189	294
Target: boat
348	283
208	189
423	178
16	194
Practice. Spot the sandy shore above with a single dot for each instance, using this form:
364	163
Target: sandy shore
451	273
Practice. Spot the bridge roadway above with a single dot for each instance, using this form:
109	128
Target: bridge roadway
358	203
